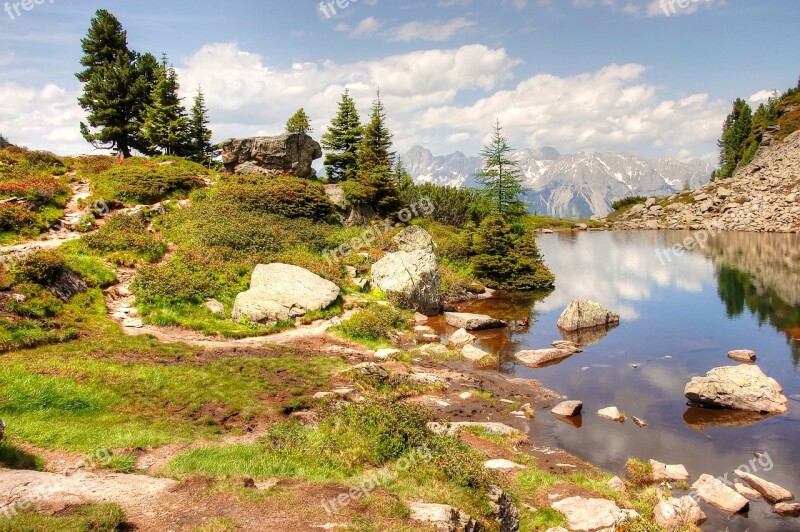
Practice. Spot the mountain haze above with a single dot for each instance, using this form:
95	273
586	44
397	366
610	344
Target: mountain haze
568	186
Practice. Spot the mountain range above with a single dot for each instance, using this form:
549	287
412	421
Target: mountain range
568	186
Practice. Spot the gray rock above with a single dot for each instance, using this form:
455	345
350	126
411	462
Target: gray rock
583	313
289	153
281	292
461	338
541	357
371	370
414	238
591	514
785	509
617	484
442	517
771	492
747	491
611	413
677	514
714	492
493	428
472	322
470	352
384	354
411	277
506	512
738	388
568	408
663	472
215	306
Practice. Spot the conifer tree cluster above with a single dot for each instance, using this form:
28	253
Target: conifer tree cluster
132	99
361	157
3	142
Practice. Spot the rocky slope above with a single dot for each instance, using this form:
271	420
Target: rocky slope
763	196
568	186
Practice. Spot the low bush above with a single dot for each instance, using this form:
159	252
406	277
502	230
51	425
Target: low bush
125	238
41	267
286	196
451	206
375	323
146	181
627	202
16	217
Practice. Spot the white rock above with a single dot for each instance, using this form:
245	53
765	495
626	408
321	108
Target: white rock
500	463
611	413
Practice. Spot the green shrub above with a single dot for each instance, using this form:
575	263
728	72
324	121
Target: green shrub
377	322
16	217
639	472
94	518
147	181
41	267
286	196
627	202
124	237
451	206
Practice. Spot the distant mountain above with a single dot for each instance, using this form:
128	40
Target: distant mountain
568	186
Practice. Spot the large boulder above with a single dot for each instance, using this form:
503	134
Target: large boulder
583	314
349	214
738	388
289	153
414	238
281	292
411	275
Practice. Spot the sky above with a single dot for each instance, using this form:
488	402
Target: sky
645	76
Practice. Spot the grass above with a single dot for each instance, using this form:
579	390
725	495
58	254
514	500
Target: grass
88	518
638	471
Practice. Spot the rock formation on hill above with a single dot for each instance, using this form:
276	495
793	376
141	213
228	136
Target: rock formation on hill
763	196
289	153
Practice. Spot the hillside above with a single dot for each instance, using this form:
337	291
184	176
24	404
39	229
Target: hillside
568	186
761	196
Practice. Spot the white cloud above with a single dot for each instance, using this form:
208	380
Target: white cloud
430	30
651	8
763	96
366	27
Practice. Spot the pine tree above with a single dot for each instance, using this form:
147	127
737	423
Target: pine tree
299	123
402	179
200	149
3	142
166	126
501	179
735	131
342	141
116	88
376	161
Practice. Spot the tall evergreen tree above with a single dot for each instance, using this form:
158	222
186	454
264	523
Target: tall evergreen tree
402	179
3	142
299	123
342	140
166	125
375	162
735	131
200	149
116	86
501	178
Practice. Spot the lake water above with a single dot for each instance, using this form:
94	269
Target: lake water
740	291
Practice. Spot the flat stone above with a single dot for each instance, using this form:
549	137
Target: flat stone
472	322
785	509
747	491
742	355
668	472
714	492
674	514
461	338
540	357
589	514
500	463
493	428
470	352
568	408
132	323
384	354
442	517
771	492
465	395
611	413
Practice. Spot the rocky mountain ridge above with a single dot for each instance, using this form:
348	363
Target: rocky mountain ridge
763	196
568	186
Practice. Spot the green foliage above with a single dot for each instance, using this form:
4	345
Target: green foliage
501	178
627	202
735	131
16	217
639	472
3	142
146	181
378	322
117	83
199	148
125	239
286	196
452	206
88	518
342	140
299	123
507	260
41	267
165	125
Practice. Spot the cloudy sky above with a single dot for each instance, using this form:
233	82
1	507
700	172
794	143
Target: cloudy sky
578	75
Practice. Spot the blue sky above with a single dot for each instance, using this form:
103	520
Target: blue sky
578	75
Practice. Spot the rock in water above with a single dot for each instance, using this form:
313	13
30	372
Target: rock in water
568	408
472	322
738	388
412	278
583	313
611	413
786	509
289	153
544	357
718	495
461	338
281	292
771	492
744	356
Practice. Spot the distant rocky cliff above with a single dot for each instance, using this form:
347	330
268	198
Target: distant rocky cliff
763	196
